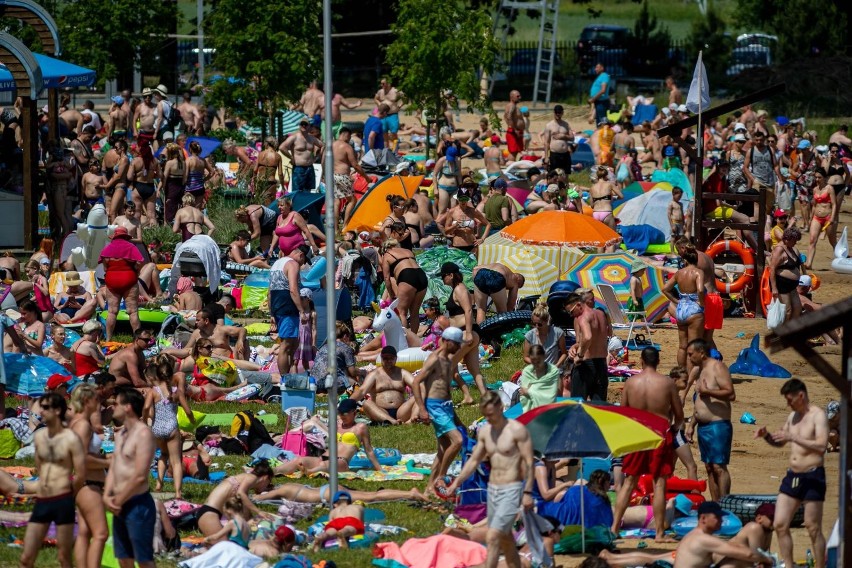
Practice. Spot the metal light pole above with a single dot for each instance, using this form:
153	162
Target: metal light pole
199	14
330	229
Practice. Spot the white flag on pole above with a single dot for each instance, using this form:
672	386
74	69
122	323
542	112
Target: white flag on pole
699	88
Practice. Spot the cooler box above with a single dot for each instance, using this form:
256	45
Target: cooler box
291	398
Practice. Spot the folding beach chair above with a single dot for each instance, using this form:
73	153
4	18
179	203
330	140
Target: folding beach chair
621	318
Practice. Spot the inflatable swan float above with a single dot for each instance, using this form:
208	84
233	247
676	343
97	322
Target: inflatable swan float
842	263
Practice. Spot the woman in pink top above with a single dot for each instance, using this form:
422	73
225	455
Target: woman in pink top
292	230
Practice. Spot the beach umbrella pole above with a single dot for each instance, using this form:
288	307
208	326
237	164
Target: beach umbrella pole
582	512
330	229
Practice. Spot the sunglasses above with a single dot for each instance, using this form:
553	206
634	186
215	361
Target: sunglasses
47	407
539	324
205	347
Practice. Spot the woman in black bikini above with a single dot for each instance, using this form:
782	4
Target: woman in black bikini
463	222
405	280
785	269
190	221
261	222
141	174
414	222
839	179
460	312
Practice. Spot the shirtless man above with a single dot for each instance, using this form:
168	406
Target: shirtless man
337	101
93	181
144	114
344	162
128	365
494	160
557	138
841	137
126	492
302	149
806	429
712	415
699	548
497	282
675	96
506	444
514	125
220	335
657	394
389	96
437	406
58	452
73	120
311	101
386	389
189	115
117	124
589	378
130	222
345	520
268	169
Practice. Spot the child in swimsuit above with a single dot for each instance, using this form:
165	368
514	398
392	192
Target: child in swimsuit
237	528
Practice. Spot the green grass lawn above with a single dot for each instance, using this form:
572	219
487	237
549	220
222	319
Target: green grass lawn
416	438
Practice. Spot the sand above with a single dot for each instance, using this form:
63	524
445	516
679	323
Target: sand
755	466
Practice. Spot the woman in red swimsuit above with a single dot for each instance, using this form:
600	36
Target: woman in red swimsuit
88	357
122	263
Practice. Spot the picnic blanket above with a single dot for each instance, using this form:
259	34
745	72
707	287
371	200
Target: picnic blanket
215	477
388	473
437	550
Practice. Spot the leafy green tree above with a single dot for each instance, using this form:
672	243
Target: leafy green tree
649	41
114	36
269	52
804	29
439	46
708	34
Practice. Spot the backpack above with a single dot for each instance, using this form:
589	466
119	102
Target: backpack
171	117
250	431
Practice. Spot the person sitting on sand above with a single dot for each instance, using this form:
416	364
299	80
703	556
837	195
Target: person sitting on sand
345	519
351	436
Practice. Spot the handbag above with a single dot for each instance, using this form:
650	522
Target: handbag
295	442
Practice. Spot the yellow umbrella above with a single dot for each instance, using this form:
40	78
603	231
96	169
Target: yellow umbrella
539	275
496	248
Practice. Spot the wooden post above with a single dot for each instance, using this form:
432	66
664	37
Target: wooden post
52	114
844	511
30	129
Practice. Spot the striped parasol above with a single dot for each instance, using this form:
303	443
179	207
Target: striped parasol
497	247
614	269
539	274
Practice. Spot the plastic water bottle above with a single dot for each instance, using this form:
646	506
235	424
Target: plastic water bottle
809	558
312	384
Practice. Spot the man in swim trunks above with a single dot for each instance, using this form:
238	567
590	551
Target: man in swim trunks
655	393
497	282
383	391
286	306
301	148
126	493
128	365
345	520
58	452
506	444
514	125
344	162
714	394
389	96
806	430
437	406
557	140
589	378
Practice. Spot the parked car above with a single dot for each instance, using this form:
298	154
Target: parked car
602	43
752	51
523	63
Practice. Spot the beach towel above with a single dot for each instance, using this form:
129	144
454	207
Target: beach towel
225	554
438	550
644	113
638	237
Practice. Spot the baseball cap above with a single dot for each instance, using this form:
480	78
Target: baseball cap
710	508
495	139
306	293
453	334
346	405
56	380
805	280
614	344
669	151
430	163
767	510
682	108
832	409
552	188
121	233
667	111
780	213
464	192
341	495
740	126
284	534
118	99
804	144
388	351
782	121
739	137
449	268
451	153
499	183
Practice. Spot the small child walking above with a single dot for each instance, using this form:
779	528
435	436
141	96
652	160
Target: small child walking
306	351
676	216
636	301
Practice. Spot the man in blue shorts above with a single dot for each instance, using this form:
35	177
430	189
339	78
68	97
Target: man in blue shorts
437	373
714	394
285	304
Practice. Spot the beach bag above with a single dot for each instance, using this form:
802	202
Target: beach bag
775	314
784	195
510	394
295	442
221	372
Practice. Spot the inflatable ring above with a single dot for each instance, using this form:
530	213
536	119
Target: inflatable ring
765	291
410	359
731	524
748	261
744	506
385	456
495	326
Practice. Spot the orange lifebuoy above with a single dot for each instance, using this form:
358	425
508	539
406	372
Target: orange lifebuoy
765	291
748	262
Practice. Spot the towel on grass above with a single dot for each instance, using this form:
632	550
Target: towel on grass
223	554
437	550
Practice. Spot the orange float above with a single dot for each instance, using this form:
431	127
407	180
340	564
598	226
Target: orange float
748	262
765	291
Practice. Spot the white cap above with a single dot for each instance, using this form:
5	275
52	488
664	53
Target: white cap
306	293
667	111
614	344
739	137
805	280
682	108
739	126
453	334
673	106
